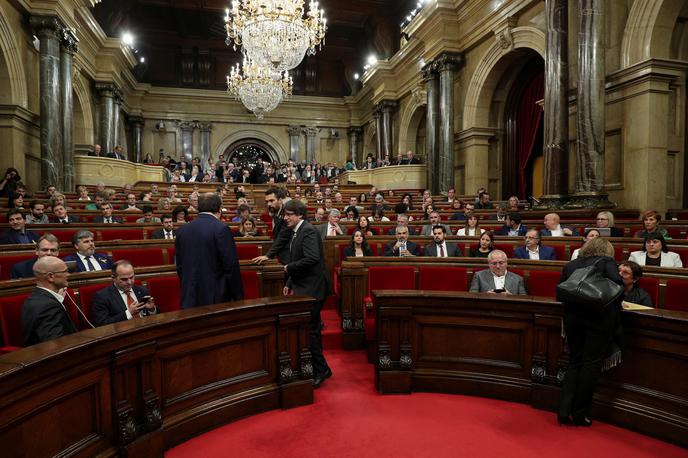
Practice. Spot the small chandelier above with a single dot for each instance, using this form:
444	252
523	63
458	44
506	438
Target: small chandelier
259	89
275	33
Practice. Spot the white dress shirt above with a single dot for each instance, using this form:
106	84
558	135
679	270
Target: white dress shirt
94	261
499	281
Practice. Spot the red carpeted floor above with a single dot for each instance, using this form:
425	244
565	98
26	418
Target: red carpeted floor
349	418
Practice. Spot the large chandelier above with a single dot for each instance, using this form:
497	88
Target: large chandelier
259	89
275	33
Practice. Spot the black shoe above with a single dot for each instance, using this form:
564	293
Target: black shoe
318	379
564	420
582	421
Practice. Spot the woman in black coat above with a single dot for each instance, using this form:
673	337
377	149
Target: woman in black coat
359	246
590	337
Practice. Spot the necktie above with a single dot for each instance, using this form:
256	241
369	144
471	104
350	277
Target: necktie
130	299
108	220
441	250
91	267
168	235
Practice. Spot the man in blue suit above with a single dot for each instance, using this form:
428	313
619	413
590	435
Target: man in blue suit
86	258
207	262
48	245
512	226
17	233
533	249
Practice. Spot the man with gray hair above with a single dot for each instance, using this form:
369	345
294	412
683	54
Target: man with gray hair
497	279
332	227
48	245
86	258
435	220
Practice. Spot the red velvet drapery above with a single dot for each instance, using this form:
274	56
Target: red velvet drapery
529	115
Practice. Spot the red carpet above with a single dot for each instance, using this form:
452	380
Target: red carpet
349	418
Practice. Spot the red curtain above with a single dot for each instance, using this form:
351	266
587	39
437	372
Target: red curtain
528	119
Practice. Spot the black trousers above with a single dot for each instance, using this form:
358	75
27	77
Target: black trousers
319	364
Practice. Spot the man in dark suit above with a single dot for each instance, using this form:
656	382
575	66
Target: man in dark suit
123	300
554	229
60	215
512	226
86	258
118	153
167	231
497	279
44	316
96	151
306	276
48	245
17	233
402	247
207	262
281	234
402	220
106	216
533	249
410	159
441	248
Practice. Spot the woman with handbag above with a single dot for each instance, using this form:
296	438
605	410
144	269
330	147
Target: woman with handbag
590	324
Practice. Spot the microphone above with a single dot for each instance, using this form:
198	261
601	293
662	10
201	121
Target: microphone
535	200
81	312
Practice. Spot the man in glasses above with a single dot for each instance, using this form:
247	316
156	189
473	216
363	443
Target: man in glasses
44	316
533	249
497	279
48	245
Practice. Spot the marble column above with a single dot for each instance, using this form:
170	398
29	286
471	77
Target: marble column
106	92
294	140
137	123
205	128
379	137
446	65
432	128
310	132
556	129
187	128
116	116
354	136
48	30
67	50
387	107
589	189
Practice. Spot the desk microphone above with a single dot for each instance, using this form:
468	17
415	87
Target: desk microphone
78	308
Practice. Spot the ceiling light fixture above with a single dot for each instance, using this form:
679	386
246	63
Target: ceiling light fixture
258	88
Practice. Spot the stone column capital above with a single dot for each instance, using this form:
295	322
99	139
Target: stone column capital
388	106
428	72
137	121
355	131
187	125
448	61
294	131
69	41
204	126
105	89
46	26
311	131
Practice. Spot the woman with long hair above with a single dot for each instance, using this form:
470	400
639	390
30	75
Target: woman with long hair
485	245
472	227
363	225
358	247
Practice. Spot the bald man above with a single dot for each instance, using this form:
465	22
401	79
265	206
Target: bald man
44	316
554	229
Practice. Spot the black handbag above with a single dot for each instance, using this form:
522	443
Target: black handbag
588	288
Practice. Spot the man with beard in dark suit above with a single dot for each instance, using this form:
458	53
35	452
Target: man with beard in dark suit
123	300
207	261
306	276
281	235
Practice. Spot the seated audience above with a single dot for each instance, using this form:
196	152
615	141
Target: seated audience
377	216
148	216
48	245
497	279
123	300
512	205
106	217
61	216
591	234
441	248
130	206
451	196
533	250
606	219
37	214
100	199
631	273
17	201
402	246
319	214
243	212
172	194
167	231
332	227
408	200
17	233
180	214
59	199
83	193
193	203
651	221
358	247
9	183
485	245
379	204
410	158
164	204
656	253
350	214
512	226
484	202
248	227
44	316
472	227
87	260
434	220
402	220
465	213
554	229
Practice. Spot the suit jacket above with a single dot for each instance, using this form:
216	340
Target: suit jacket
115	155
483	281
70	219
546	253
452	250
504	230
12	237
323	229
103	259
281	237
23	269
669	259
427	229
350	252
109	307
160	234
44	318
115	219
207	263
306	268
548	233
410	247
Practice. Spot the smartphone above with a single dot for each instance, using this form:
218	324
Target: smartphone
144	299
499	290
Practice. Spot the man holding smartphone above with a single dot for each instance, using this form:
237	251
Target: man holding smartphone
497	279
123	300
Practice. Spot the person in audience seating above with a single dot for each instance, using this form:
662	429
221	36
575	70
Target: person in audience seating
434	219
167	231
472	227
118	153
17	201
37	214
100	187
358	247
86	258
656	253
50	190
195	175
651	221
402	220
332	227
512	205
441	248
497	279
181	214
451	196
123	300
247	227
350	214
17	233
463	215
591	234
9	183
512	226
243	212
99	199
379	204
172	194
319	214
402	247
164	204
61	216
96	151
44	316
378	216
631	273
410	158
363	225
130	206
83	193
59	199
484	202
106	216
155	189
485	245
48	245
554	229
533	249
606	219
148	216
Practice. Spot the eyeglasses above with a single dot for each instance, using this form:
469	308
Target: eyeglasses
602	219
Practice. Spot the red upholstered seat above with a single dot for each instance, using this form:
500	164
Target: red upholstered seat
651	286
170	254
676	294
560	252
674	232
508	248
165	291
249	278
543	283
385	277
247	251
618	253
121	234
683	252
141	257
64	235
443	278
10	314
130	217
85	301
6	263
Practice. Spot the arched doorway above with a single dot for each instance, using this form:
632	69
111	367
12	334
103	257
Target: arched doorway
246	152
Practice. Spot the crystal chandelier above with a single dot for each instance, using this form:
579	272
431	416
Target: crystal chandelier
259	89
275	33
